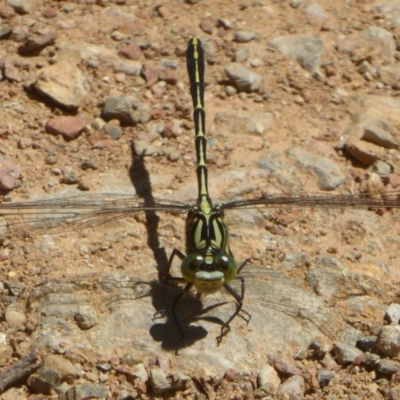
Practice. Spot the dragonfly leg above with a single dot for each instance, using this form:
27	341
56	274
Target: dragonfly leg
238	277
242	266
174	304
247	316
175	253
239	303
168	279
163	312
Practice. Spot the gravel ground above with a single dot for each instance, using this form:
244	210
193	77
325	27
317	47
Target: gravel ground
300	96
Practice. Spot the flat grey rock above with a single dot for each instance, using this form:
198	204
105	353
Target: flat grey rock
244	36
253	123
328	174
388	367
126	321
305	49
244	79
382	38
126	109
345	353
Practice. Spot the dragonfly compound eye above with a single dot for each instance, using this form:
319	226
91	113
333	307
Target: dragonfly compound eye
190	265
227	265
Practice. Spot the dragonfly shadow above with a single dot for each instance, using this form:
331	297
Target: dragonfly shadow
166	331
191	311
140	179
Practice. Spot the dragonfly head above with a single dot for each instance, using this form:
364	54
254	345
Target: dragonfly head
208	272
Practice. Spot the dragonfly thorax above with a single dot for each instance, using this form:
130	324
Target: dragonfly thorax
206	230
208	269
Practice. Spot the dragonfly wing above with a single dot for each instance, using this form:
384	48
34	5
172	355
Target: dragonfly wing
300	200
76	212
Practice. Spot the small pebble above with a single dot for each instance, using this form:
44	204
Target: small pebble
172	153
394	393
370	360
89	164
7	12
388	341
256	62
70	176
324	377
21	6
226	23
115	132
295	3
244	36
104	367
393	313
394	180
207	26
168	75
244	79
86	317
10	173
118	36
83	186
283	366
24	143
87	391
64	367
120	77
126	109
292	388
15	318
159	381
150	74
366	343
241	55
98	124
269	379
230	90
37	41
129	359
56	171
44	380
93	63
50	12
132	51
63	83
345	353
388	367
5	31
70	127
306	49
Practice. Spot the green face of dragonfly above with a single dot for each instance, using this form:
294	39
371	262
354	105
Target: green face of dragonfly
208	271
209	263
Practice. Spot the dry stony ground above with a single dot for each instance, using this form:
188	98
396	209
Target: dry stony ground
301	95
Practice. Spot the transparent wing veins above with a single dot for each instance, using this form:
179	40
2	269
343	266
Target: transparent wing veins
83	211
78	212
304	199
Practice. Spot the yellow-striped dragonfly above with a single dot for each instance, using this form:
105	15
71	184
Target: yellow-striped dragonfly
208	264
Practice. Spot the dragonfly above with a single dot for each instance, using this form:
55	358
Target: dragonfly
208	264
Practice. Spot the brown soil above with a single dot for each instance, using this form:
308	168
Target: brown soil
305	115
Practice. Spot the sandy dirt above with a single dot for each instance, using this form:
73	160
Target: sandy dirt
319	275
